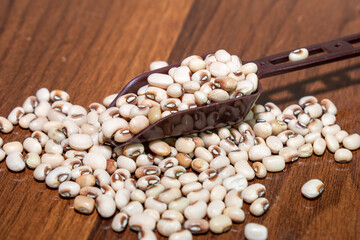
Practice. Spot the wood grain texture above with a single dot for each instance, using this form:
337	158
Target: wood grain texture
92	48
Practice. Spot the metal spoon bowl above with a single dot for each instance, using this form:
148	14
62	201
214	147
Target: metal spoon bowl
232	111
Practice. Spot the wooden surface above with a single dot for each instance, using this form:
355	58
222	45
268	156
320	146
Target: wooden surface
92	48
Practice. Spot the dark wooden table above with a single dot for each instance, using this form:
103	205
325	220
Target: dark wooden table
92	48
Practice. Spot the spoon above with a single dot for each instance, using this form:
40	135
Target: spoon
232	111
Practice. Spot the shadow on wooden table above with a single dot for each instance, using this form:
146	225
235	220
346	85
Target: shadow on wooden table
328	82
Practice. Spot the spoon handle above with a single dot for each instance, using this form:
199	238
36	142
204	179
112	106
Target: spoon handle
321	53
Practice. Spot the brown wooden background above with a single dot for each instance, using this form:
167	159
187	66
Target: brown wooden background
92	48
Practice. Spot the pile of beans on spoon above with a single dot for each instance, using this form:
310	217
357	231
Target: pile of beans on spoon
177	186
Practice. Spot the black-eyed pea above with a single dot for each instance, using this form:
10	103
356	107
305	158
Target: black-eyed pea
352	142
315	126
167	163
175	172
153	213
138	123
158	64
252	192
80	142
190	187
69	189
160	147
215	208
54	159
147	170
10	147
244	168
16	114
218	193
259	206
126	163
259	169
305	150
97	107
92	192
341	135
228	145
84	205
25	120
220	224
41	137
254	231
210	138
57	176
169	182
311	137
197	226
289	154
237	155
107	190
277	126
236	214
319	146
95	160
201	98
328	119
179	204
15	161
105	205
237	182
130	184
330	129
258	152
218	69
182	74
86	180
146	182
175	90
312	188
41	171
295	141
210	183
160	80
274	163
196	210
173	214
185	145
331	143
119	222
233	199
328	106
188	178
297	127
154	203
249	68
263	129
219	162
169	195
30	104
140	221
52	146
181	235
146	234
202	194
343	155
168	226
199	165
111	166
274	143
132	208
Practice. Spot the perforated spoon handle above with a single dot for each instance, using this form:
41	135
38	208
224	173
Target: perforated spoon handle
321	53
